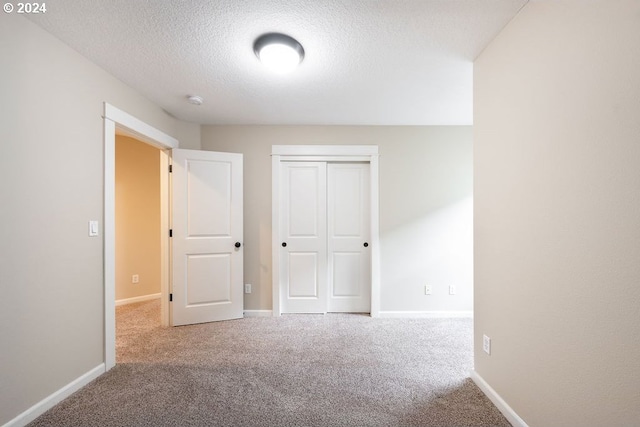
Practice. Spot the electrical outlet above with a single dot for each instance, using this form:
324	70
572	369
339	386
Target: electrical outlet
247	288
135	279
427	289
452	289
486	344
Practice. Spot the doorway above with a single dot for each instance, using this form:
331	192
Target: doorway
115	118
138	228
325	244
206	207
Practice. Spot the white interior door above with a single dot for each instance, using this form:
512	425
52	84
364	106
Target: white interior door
207	260
349	257
303	266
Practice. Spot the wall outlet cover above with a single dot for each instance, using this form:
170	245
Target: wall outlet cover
486	344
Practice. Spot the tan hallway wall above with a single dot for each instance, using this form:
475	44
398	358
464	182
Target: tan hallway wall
137	218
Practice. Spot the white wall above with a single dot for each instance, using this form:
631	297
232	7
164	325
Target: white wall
137	218
557	213
425	207
51	272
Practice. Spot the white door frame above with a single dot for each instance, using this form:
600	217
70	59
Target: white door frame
325	153
116	118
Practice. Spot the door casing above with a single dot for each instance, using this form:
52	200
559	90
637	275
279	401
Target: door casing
326	153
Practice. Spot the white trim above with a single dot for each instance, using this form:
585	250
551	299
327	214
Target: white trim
425	314
114	117
140	129
165	249
258	313
109	224
335	159
326	153
325	150
275	234
133	300
53	399
375	235
506	410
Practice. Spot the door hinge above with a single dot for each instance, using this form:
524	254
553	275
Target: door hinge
170	297
170	232
170	168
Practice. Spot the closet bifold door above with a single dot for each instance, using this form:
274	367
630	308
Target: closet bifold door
303	257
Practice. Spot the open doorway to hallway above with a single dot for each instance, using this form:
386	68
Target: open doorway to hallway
137	231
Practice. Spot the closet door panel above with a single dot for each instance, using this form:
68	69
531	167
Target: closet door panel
303	267
349	260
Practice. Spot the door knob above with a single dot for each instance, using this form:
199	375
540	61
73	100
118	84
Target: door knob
366	245
284	244
238	244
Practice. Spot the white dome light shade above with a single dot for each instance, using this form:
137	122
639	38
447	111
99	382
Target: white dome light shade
279	58
280	53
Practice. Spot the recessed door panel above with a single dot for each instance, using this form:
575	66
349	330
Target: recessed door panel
208	279
303	203
303	275
347	197
346	274
209	198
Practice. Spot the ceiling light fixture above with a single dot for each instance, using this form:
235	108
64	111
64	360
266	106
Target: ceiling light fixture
278	52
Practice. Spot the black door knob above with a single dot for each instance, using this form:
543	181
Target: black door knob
237	245
284	244
366	245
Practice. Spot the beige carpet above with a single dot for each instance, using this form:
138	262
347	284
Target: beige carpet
296	370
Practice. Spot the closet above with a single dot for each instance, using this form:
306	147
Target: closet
323	234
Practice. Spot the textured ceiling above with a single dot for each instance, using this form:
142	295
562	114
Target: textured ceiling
367	62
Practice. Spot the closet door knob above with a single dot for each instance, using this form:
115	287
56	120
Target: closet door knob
366	245
284	244
238	244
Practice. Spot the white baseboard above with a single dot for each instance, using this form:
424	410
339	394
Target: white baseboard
425	314
137	299
506	410
50	401
258	313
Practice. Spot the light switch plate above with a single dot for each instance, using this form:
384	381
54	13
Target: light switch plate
93	228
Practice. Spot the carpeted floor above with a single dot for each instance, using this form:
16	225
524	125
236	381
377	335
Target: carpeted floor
296	370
